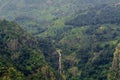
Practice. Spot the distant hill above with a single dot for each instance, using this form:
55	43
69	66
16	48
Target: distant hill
47	9
98	15
28	13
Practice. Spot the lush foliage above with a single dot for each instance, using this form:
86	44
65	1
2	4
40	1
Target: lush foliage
87	49
85	31
20	58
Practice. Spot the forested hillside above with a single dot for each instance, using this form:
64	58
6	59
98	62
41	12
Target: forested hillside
37	15
88	42
98	15
20	58
80	36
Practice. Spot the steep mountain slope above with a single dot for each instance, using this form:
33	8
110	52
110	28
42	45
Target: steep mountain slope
20	58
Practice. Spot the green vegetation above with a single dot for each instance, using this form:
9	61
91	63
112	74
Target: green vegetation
20	57
35	16
87	33
98	15
87	50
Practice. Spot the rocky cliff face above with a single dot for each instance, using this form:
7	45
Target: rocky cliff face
115	69
116	59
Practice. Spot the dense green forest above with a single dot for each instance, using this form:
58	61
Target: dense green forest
85	32
20	56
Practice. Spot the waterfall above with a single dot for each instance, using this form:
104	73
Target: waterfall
60	64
